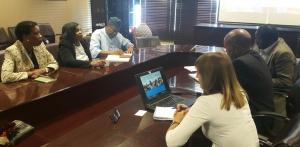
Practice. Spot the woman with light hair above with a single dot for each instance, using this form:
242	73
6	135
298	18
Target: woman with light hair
222	111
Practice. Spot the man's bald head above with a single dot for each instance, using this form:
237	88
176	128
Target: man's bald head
237	42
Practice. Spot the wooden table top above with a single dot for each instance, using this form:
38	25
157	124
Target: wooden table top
130	130
85	96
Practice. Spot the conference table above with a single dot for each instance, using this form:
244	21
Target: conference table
74	110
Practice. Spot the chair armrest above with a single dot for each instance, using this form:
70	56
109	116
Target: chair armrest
264	141
271	115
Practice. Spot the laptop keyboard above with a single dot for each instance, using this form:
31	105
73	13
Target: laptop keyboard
166	102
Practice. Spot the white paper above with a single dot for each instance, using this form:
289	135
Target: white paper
140	113
190	68
116	58
125	55
164	113
198	88
193	75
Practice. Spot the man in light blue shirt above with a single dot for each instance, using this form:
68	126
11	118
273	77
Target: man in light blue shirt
108	40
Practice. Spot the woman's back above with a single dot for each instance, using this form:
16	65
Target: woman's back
233	128
223	111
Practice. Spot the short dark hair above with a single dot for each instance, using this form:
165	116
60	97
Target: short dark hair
267	34
24	28
68	31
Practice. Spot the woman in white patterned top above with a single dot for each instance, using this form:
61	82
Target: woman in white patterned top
222	112
28	56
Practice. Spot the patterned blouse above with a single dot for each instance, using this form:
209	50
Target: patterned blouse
17	61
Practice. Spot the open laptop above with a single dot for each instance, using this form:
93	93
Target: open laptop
155	90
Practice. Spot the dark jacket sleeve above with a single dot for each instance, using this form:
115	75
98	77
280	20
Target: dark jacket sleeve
67	57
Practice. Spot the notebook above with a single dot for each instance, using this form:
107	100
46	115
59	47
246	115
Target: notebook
155	90
164	113
44	79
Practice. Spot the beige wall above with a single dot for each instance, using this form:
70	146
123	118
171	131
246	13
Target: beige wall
54	12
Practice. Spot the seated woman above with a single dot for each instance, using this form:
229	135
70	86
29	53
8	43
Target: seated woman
73	50
28	56
222	111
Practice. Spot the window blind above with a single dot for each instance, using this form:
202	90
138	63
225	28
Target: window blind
57	13
155	13
206	11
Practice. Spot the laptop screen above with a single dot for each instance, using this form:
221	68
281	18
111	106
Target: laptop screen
153	84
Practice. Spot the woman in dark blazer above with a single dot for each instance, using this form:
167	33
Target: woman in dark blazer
73	50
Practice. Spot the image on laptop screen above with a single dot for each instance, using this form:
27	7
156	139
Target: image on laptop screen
153	84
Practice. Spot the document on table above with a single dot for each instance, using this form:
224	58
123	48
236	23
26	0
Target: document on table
193	76
164	113
44	79
125	55
140	113
116	58
190	68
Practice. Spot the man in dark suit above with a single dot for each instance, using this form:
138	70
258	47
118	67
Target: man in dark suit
251	70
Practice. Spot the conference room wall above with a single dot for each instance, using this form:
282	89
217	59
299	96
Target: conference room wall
55	12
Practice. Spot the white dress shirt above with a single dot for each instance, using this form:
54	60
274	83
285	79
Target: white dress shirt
101	41
80	53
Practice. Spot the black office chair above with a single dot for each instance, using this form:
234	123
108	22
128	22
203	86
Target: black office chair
287	136
87	39
293	99
11	32
4	39
47	32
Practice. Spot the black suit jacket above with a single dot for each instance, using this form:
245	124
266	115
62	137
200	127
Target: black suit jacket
67	56
255	78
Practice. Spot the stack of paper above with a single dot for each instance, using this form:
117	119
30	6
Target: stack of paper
125	55
190	68
193	75
44	79
116	58
207	49
164	113
198	88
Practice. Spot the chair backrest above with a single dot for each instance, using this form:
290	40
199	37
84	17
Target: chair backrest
293	100
53	49
151	41
87	39
290	136
1	62
298	68
11	32
47	32
4	39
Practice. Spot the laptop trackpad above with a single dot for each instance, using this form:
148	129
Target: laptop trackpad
188	102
